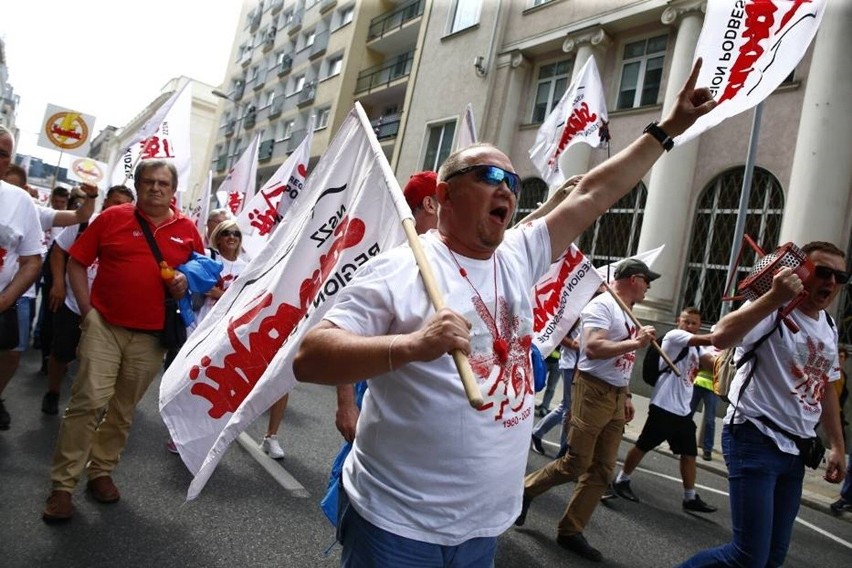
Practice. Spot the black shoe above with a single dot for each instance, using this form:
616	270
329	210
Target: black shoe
609	493
707	455
622	489
5	419
839	506
578	544
562	452
537	445
698	506
525	507
50	403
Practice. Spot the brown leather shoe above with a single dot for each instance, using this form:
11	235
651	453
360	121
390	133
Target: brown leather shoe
59	508
103	490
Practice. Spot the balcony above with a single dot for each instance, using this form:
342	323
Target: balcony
277	106
306	96
327	5
229	128
295	139
295	23
246	57
285	66
239	91
222	163
385	74
265	151
250	118
386	127
320	43
259	80
269	39
276	6
254	20
395	19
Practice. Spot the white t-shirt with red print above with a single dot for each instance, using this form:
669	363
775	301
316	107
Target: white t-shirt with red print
603	312
671	392
793	370
64	241
20	230
230	270
425	465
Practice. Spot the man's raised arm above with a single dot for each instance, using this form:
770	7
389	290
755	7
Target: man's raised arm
604	185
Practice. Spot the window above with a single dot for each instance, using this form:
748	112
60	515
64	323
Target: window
335	64
465	13
439	144
641	72
615	234
346	15
533	194
552	81
534	3
713	233
287	129
270	98
298	84
280	59
310	37
322	118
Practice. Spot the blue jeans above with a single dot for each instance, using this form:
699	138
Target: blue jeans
25	319
557	416
367	546
766	488
552	378
846	488
710	400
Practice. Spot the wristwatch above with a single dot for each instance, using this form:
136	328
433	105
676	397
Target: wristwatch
660	135
90	196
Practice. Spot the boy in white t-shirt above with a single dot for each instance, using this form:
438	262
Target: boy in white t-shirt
669	415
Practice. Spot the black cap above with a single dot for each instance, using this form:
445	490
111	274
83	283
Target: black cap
631	266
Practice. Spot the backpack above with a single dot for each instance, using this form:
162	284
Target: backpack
651	370
725	367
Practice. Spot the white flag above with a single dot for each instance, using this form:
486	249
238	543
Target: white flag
238	362
240	182
150	126
201	210
649	257
260	217
467	134
169	141
578	117
559	296
748	48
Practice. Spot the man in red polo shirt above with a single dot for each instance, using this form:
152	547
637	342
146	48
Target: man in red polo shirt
119	351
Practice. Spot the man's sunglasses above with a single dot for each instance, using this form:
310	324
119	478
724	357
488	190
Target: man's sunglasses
825	272
492	175
229	233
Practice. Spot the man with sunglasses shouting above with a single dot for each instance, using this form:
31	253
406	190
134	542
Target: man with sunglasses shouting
431	481
768	436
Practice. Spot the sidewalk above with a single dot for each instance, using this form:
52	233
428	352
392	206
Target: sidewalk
817	493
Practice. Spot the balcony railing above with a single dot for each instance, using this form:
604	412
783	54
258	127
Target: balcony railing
285	66
239	91
276	6
386	126
277	106
320	43
390	21
307	94
295	23
255	18
327	5
250	118
269	39
259	80
265	150
222	163
295	139
386	73
246	58
229	127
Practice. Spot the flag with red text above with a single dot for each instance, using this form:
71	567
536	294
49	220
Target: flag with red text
559	296
163	136
748	48
238	362
580	116
260	217
201	208
241	180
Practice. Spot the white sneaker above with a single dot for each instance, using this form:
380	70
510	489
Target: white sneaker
272	448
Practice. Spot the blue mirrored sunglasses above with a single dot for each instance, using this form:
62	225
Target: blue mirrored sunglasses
492	175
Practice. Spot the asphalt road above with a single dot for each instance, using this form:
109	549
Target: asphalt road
244	518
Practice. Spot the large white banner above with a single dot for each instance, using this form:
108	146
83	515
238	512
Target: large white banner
239	360
241	180
260	217
201	208
66	130
170	140
559	296
578	117
748	48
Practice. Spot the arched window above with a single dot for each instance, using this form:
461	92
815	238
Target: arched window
533	194
615	234
713	232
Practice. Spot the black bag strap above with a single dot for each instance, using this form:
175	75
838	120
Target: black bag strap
773	426
146	230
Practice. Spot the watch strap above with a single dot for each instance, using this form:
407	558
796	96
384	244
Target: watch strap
660	135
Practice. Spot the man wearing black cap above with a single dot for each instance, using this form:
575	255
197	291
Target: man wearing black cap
600	405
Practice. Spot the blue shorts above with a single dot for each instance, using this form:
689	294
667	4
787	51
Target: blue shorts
25	309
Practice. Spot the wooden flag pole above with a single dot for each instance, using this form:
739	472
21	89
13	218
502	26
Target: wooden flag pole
636	322
558	197
471	388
